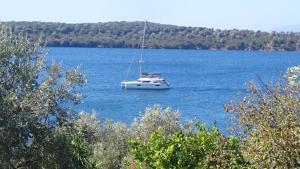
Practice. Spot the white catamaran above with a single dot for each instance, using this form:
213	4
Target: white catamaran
146	80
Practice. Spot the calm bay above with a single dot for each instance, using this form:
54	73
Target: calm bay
202	81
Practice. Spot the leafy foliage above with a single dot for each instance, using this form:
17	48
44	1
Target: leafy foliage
292	76
269	122
157	117
127	34
35	101
111	147
207	148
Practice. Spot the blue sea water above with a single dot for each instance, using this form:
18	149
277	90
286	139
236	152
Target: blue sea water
202	81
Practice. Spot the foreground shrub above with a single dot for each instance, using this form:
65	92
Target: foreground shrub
35	100
107	141
150	121
207	148
70	148
157	117
269	122
111	146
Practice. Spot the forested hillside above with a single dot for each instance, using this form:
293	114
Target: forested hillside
127	35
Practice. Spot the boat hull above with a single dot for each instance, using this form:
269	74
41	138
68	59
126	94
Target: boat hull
140	85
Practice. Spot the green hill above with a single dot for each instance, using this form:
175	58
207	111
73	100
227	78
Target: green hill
127	35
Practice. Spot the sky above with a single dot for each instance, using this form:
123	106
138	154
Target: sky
222	14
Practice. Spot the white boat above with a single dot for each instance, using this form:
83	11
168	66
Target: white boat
146	80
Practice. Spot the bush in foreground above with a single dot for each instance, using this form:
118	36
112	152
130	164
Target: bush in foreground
206	148
268	122
36	118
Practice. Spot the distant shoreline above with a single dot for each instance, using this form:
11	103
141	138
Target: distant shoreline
158	36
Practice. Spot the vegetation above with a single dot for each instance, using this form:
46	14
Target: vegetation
127	35
39	128
35	119
206	148
268	122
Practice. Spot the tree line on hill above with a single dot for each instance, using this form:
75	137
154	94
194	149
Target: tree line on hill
127	35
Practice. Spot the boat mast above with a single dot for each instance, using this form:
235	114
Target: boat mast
142	52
